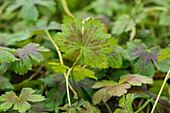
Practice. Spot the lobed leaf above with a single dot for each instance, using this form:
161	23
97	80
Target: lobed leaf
5	84
115	58
58	68
88	37
112	88
81	106
24	62
80	73
125	104
147	58
6	56
29	10
107	6
20	103
126	22
165	53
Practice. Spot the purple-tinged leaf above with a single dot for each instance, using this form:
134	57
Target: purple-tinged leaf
88	37
24	55
20	103
147	58
5	84
6	56
112	88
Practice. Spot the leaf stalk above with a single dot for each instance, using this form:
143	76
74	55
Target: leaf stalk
66	8
163	85
144	105
61	61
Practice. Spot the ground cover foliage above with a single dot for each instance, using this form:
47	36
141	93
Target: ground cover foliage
84	56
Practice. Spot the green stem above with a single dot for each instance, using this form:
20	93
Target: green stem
66	8
87	8
55	45
144	105
67	87
61	60
36	73
163	85
148	108
107	106
67	76
78	58
133	33
155	8
79	94
140	102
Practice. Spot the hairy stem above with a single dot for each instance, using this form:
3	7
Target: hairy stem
66	8
163	85
61	60
107	106
144	105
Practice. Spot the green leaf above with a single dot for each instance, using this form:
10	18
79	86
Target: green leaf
126	104
126	22
146	58
115	58
29	11
89	37
164	53
48	4
10	39
107	6
5	84
164	65
164	18
4	67
123	23
112	88
58	68
162	106
156	86
25	54
28	52
144	68
80	106
55	96
80	73
52	80
20	103
6	56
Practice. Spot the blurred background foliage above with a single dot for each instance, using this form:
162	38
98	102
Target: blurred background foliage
24	21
